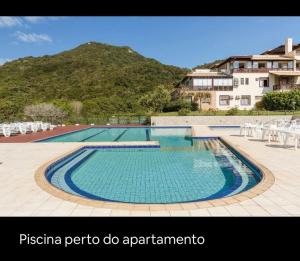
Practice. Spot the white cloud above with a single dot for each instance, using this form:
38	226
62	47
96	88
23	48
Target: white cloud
34	19
10	21
37	19
32	37
4	60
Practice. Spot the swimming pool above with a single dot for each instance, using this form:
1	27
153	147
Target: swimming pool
177	136
180	169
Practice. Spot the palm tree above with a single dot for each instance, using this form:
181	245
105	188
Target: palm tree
200	96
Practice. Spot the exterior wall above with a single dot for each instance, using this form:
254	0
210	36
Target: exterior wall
252	89
210	120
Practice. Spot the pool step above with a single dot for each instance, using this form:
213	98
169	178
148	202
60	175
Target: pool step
58	179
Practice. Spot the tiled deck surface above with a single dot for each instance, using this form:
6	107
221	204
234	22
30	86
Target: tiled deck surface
41	134
21	196
46	134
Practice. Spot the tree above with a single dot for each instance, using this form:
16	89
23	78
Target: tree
76	106
7	109
44	111
198	97
156	101
201	96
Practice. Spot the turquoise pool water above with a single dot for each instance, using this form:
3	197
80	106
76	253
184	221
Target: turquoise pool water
182	169
166	136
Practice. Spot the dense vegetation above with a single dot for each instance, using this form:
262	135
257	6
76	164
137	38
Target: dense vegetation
100	78
289	100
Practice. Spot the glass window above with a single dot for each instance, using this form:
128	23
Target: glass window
247	81
224	100
246	100
235	81
261	65
241	65
275	65
269	65
242	81
236	64
290	65
255	65
249	65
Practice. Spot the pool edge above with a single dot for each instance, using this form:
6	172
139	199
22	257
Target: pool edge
266	182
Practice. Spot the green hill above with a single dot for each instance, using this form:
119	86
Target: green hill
208	65
113	77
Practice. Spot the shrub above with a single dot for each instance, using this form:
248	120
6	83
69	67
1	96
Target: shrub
176	105
289	100
259	105
232	111
194	106
183	112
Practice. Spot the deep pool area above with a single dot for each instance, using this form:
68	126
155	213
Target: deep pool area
180	169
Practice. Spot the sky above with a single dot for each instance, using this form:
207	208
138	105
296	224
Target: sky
179	41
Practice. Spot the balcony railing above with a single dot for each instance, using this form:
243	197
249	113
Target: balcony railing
290	86
210	88
259	70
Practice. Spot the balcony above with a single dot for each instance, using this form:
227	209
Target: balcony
285	87
205	88
259	70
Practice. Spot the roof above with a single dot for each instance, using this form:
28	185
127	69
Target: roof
280	49
286	73
271	57
208	74
233	58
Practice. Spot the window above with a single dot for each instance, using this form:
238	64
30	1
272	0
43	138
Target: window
261	65
283	65
246	100
247	81
258	98
275	65
263	82
249	65
223	82
224	100
235	81
298	66
241	65
290	65
269	65
203	82
255	65
242	81
236	64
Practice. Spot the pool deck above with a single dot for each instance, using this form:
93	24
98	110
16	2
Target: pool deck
29	137
21	196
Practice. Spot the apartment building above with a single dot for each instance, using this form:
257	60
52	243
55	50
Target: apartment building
241	81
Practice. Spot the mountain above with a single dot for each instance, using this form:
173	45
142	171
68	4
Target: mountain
114	77
208	65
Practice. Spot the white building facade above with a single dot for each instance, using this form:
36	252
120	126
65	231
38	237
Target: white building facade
241	81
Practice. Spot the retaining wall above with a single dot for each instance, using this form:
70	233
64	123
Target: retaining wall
212	120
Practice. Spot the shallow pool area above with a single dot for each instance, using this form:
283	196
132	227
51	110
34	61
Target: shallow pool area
180	169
